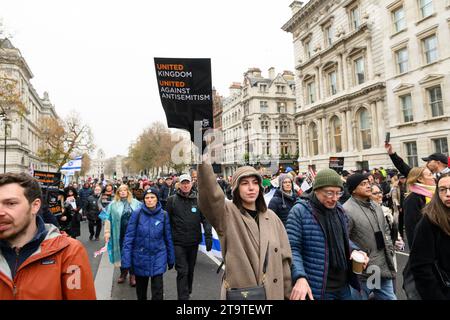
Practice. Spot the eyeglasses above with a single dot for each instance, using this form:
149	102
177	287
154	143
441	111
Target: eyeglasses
331	194
443	190
377	193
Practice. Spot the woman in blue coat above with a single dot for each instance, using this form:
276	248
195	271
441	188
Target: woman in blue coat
148	247
284	198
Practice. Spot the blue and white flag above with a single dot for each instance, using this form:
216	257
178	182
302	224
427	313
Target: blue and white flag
215	250
72	166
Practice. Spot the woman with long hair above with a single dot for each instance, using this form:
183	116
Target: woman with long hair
430	254
254	242
117	218
421	186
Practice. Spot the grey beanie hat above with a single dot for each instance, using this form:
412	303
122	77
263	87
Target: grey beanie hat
283	177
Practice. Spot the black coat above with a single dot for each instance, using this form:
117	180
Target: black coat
412	208
401	166
431	244
185	219
93	207
72	225
281	204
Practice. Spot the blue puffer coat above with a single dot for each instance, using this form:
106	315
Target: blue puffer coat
309	248
281	204
148	247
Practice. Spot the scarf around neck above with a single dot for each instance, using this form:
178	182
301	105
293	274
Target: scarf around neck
423	190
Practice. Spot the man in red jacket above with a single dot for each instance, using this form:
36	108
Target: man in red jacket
36	260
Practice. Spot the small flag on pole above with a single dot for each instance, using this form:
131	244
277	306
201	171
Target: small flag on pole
101	251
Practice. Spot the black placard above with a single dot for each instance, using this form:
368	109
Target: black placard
49	182
337	164
185	90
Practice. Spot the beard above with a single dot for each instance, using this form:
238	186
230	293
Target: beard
17	231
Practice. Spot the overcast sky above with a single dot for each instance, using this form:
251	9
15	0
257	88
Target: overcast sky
96	56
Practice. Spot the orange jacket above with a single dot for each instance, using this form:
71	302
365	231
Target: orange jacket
58	270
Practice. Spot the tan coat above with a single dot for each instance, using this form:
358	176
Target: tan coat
243	244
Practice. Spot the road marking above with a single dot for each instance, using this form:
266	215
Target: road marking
214	259
104	278
402	253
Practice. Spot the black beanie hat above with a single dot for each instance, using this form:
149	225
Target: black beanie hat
152	190
354	180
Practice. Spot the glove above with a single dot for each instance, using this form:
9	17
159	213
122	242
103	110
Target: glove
170	266
208	243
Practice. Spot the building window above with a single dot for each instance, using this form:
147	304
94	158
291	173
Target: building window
430	49
359	71
399	19
407	108
314	139
281	89
281	107
441	145
311	91
355	18
246	110
263	88
329	35
426	8
435	100
402	60
308	49
265	126
332	78
411	154
264	106
337	134
364	124
284	148
284	127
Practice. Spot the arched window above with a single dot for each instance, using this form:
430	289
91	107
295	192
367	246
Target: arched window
337	133
314	136
364	127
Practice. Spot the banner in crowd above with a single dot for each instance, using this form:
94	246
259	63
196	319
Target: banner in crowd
72	166
337	164
49	182
185	90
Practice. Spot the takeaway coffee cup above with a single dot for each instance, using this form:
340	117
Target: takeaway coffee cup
358	262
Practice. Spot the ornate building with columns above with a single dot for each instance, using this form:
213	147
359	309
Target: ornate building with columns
22	134
367	67
258	121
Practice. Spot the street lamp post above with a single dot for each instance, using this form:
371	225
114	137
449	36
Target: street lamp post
5	120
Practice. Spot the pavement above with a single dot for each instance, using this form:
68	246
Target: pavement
206	284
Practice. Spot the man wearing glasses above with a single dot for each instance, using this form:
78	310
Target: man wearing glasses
369	231
321	249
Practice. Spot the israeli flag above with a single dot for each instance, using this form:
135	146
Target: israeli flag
215	250
72	165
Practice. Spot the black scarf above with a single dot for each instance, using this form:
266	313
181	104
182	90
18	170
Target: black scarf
334	232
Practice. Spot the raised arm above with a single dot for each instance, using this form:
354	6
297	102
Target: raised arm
211	199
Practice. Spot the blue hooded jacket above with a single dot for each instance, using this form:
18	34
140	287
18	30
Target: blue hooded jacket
148	247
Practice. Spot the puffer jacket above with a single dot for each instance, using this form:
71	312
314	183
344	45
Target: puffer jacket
281	204
309	248
185	219
93	207
148	246
58	270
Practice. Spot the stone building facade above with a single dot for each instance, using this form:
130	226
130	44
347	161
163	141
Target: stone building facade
349	92
258	120
22	137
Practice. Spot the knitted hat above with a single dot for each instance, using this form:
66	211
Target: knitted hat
153	191
244	172
327	178
283	177
354	180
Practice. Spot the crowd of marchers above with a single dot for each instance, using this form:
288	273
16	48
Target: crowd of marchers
334	240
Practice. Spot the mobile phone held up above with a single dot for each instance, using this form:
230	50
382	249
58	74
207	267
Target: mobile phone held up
388	137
